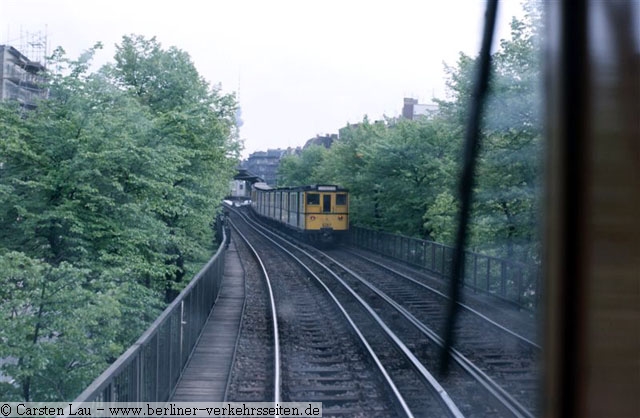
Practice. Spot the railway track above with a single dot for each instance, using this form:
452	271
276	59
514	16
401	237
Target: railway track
416	391
257	354
320	360
493	363
506	361
496	309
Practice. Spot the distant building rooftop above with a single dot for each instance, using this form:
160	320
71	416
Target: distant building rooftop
413	110
265	164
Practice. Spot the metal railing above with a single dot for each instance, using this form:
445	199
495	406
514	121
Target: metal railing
151	368
512	281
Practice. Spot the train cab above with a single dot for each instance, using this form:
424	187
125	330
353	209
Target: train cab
326	208
318	213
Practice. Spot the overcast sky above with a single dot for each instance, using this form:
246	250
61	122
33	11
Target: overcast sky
302	68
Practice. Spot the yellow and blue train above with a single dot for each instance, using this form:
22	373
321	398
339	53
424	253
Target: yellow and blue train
318	214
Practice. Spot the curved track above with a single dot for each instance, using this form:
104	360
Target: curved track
502	360
322	358
257	353
415	388
494	363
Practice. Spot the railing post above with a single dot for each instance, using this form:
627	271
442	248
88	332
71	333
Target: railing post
475	273
520	286
488	274
433	257
157	395
503	279
415	251
407	251
424	255
139	378
181	329
395	246
171	332
139	369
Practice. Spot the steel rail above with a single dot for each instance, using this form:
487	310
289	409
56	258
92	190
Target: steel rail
274	316
442	394
505	399
237	344
515	407
439	293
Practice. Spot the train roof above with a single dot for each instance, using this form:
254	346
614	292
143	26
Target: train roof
262	186
308	188
321	188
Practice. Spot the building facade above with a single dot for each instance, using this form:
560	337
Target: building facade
265	164
20	78
413	110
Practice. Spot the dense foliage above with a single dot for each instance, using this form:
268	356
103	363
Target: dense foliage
402	174
108	191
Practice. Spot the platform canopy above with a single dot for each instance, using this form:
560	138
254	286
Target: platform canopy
246	175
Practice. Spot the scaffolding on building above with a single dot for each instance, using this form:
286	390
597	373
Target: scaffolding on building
22	69
34	46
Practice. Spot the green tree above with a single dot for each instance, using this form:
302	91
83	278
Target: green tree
440	218
410	166
504	216
347	164
402	175
80	176
509	170
108	195
300	170
75	233
194	128
57	332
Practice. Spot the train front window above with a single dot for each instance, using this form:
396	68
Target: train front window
326	203
313	199
341	199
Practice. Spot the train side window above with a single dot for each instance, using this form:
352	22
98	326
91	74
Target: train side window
341	199
313	199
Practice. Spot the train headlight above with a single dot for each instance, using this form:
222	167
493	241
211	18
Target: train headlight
313	218
340	217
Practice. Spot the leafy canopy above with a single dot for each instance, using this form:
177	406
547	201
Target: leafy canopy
109	189
402	174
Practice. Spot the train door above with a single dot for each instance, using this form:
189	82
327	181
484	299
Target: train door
301	210
293	209
326	203
285	207
271	210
